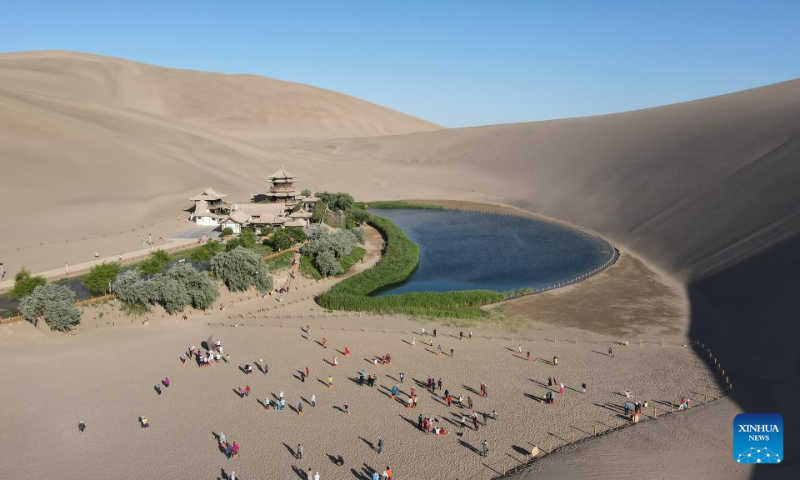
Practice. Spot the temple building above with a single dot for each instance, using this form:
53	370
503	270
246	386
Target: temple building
282	189
283	207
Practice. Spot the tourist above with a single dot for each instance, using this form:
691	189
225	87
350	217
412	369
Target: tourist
346	351
316	475
313	400
555	361
485	448
157	388
335	361
402	376
583	387
248	369
300	408
494	415
627	407
439	384
561	389
144	423
183	359
470	334
165	382
549	381
528	355
330	382
463	421
247	391
451	352
280	395
228	359
380	445
419	421
469	403
628	394
434	332
346	409
485	418
235	449
375	475
299	452
308	372
232	476
324	343
302	376
475	421
222	440
461	335
438	350
309	474
448	400
519	348
81	426
610	352
265	369
393	391
413	341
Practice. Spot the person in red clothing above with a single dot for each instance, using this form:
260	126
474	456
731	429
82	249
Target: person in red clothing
346	351
247	391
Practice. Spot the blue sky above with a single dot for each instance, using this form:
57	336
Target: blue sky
455	63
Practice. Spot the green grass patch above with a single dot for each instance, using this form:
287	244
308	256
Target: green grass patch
352	258
307	268
394	204
281	261
400	259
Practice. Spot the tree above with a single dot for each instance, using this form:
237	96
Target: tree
240	269
327	264
227	231
281	239
306	192
357	216
199	286
336	201
203	254
158	260
318	212
297	234
248	239
100	277
132	289
54	303
25	284
172	294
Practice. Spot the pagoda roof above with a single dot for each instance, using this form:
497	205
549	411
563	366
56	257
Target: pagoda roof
301	214
282	174
208	194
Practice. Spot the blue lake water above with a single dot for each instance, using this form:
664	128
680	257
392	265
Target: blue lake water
462	250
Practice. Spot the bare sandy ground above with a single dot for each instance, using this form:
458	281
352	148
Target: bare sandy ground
104	377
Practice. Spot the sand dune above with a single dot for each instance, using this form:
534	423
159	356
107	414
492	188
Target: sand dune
705	190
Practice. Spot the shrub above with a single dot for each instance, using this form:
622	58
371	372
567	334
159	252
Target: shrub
327	264
54	303
360	235
25	284
100	277
132	289
306	192
297	234
227	231
201	289
172	294
240	269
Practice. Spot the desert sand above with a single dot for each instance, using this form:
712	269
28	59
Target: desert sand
703	192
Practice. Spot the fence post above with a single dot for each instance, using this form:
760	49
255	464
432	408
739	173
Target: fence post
595	430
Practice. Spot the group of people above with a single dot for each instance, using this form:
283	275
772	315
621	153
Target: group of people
430	426
231	450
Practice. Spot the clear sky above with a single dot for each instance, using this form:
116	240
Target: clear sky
455	63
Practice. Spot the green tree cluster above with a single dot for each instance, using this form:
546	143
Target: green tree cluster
53	303
158	261
247	239
241	269
204	253
181	286
25	284
100	277
336	201
326	248
284	238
